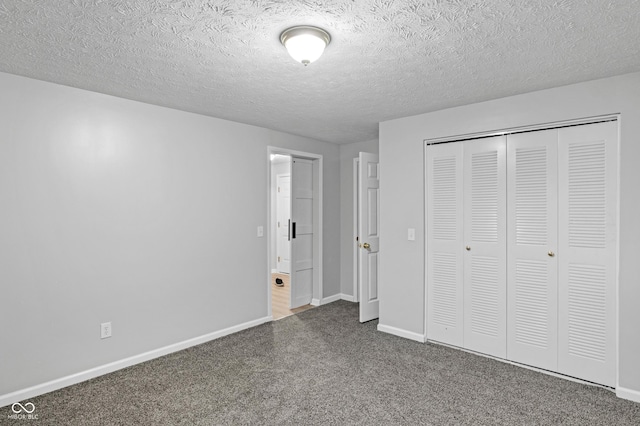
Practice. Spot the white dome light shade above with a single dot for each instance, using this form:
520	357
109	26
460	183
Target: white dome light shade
305	44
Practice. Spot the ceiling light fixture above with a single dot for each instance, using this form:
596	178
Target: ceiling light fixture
305	44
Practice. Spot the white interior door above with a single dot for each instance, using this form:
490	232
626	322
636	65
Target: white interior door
283	206
484	224
444	243
368	233
587	253
532	272
301	232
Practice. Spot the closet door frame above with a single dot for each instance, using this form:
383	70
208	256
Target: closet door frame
521	129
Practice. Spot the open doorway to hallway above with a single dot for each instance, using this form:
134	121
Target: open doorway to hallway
281	244
295	231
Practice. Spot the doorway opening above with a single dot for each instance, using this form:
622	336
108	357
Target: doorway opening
295	231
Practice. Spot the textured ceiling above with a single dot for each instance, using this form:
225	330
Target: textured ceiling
387	58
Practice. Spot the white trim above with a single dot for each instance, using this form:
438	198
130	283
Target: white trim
630	394
531	128
319	197
356	213
425	296
331	299
274	271
347	297
82	376
402	333
617	248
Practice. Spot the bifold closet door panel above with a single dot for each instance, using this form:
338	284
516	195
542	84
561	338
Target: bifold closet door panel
587	248
532	230
444	243
484	226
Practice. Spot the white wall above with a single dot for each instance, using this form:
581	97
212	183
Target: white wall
347	153
402	194
114	210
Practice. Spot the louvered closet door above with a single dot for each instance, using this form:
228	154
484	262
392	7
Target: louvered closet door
586	254
485	245
444	243
532	274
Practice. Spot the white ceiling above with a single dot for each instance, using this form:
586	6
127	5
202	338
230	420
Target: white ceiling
387	58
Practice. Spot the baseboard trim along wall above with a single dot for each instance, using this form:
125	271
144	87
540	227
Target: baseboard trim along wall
347	297
402	333
331	299
630	394
82	376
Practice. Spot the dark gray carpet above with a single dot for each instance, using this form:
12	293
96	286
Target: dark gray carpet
323	367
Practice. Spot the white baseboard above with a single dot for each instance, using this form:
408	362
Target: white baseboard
330	299
630	394
402	333
274	271
82	376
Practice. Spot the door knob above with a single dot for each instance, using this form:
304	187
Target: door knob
551	254
468	248
366	245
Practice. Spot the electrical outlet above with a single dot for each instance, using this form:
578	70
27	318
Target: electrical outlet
411	234
260	231
105	330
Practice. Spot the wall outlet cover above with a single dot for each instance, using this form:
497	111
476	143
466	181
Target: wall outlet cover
105	330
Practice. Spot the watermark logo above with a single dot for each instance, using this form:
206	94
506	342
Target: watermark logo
23	412
28	408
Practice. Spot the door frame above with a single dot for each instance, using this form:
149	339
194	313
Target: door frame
354	240
520	129
317	221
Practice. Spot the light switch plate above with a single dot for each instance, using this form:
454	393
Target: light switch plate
260	231
411	234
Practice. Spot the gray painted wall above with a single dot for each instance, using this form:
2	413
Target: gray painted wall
347	153
402	194
114	210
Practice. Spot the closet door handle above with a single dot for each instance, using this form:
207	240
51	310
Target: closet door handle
551	254
468	248
293	229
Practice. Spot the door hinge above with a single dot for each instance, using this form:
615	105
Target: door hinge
278	224
278	258
278	189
